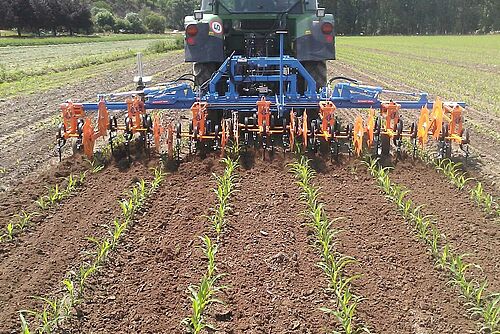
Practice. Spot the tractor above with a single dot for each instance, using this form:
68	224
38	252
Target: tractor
248	28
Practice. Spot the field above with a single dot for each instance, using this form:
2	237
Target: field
283	245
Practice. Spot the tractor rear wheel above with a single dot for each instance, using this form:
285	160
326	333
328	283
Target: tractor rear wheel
317	69
203	72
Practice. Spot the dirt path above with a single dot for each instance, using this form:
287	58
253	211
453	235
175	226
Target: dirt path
458	218
404	292
275	285
27	132
143	288
36	264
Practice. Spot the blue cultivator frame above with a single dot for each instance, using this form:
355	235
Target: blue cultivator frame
258	100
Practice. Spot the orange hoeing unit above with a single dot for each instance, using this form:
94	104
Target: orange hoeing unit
71	113
327	114
391	113
263	115
199	113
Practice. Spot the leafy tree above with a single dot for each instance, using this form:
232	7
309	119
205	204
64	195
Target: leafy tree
156	23
177	10
136	25
121	26
104	20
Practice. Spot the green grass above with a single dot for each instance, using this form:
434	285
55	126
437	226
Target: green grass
462	68
37	84
32	41
25	61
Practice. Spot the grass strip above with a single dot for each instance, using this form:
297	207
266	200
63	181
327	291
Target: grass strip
473	291
332	262
59	308
34	41
203	294
155	47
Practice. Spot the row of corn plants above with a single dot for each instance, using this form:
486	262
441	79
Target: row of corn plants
333	263
203	294
55	194
485	307
454	172
57	309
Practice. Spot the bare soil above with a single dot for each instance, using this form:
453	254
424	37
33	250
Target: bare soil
36	263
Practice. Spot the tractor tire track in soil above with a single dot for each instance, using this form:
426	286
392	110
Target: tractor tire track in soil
404	292
143	287
38	260
464	224
274	285
30	146
487	169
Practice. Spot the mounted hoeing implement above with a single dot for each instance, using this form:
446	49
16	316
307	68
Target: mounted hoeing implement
259	95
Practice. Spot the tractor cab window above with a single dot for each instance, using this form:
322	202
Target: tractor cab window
260	6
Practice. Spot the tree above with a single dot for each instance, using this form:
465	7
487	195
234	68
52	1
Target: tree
122	26
136	25
156	23
22	15
104	20
176	10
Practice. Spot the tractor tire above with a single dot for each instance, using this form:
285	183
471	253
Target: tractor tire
203	72
317	69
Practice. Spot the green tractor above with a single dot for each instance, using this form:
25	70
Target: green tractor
249	28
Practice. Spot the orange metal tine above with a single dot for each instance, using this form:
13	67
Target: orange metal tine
437	117
102	119
305	128
359	133
456	122
292	129
327	112
157	131
224	138
88	138
371	126
423	126
263	114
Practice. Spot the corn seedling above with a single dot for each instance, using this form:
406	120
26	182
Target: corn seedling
332	263
472	291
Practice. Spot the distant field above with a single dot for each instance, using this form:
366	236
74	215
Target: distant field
24	65
30	41
458	67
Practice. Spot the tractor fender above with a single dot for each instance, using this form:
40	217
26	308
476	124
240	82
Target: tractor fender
315	45
208	44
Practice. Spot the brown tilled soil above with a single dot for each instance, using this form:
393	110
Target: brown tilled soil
274	283
35	264
404	292
463	223
143	289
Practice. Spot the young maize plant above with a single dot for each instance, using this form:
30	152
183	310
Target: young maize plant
224	189
453	171
485	200
58	309
471	290
54	195
202	295
333	263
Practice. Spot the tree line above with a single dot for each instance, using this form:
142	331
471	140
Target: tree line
85	16
353	17
409	17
